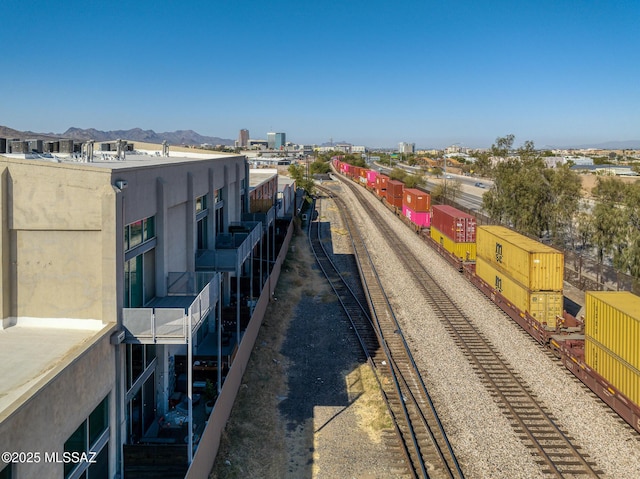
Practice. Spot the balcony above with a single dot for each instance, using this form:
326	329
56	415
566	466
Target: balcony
169	320
232	248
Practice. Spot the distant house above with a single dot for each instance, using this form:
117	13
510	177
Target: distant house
605	170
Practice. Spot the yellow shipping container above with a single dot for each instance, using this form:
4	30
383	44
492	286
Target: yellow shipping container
536	266
612	318
618	372
544	306
464	251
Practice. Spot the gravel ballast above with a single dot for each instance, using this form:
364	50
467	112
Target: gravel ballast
318	424
482	438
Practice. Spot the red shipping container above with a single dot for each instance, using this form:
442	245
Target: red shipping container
455	224
416	200
381	183
420	218
395	189
394	200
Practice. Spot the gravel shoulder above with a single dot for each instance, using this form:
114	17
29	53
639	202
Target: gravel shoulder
305	410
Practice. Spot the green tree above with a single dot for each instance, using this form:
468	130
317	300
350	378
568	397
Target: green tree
413	181
297	172
319	167
503	145
609	220
483	166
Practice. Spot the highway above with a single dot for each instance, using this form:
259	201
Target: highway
470	195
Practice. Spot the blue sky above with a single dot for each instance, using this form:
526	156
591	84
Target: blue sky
563	72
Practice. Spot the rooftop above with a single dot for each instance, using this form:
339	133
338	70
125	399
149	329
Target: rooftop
26	364
257	176
132	159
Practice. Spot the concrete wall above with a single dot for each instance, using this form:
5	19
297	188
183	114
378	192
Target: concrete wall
210	441
59	403
58	239
61	229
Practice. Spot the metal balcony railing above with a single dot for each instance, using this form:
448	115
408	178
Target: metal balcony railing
167	320
232	249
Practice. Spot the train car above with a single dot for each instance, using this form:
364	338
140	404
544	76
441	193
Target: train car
455	224
614	325
371	179
381	185
394	193
543	306
605	359
417	200
419	219
462	251
534	265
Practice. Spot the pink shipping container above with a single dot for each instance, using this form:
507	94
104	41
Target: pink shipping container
348	169
453	223
416	200
395	189
371	178
420	218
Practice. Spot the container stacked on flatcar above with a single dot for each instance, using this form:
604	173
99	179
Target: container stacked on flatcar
416	207
526	272
394	193
454	231
371	179
612	336
525	279
381	185
362	179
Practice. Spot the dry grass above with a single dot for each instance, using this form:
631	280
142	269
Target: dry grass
373	415
253	443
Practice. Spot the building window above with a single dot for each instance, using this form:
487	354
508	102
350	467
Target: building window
139	279
139	232
201	203
6	472
138	358
90	441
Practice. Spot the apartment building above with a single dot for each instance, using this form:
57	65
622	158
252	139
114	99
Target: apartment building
114	274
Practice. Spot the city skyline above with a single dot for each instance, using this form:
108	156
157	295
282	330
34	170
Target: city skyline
557	73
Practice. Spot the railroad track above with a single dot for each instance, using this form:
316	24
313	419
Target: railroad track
536	427
425	448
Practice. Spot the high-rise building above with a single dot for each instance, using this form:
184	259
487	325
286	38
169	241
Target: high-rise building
276	141
406	147
243	138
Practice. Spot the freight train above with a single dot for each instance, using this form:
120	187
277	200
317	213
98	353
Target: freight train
524	278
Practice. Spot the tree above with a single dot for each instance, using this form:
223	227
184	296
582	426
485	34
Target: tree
528	196
413	181
298	174
503	146
483	165
609	220
319	167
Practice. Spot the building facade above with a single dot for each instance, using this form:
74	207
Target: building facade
243	138
105	295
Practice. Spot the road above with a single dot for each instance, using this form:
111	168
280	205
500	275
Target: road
470	195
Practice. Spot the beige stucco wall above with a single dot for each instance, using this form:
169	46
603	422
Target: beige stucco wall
60	240
68	395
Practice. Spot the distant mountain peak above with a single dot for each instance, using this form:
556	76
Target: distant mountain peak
179	137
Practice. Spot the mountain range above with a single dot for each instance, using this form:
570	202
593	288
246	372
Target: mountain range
180	137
